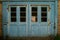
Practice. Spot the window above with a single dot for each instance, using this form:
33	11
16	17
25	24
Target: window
43	14
22	14
34	14
13	14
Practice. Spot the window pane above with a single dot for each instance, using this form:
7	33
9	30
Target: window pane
13	8
34	8
22	19
44	8
13	14
34	14
13	19
43	14
22	14
43	19
22	8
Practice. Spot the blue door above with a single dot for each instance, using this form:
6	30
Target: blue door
29	19
18	20
41	20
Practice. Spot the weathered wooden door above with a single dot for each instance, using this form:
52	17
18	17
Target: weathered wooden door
18	20
29	18
41	20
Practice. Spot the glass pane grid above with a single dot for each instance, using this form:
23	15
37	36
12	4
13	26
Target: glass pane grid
13	14
22	14
34	14
13	11
43	14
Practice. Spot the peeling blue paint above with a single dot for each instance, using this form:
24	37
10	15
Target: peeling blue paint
29	28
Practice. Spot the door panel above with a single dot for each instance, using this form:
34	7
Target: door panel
13	30
22	21
43	26
39	28
22	30
34	25
44	21
13	25
18	25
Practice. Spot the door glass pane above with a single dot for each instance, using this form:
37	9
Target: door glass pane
13	14
23	19
44	9
34	14
13	19
43	14
22	14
